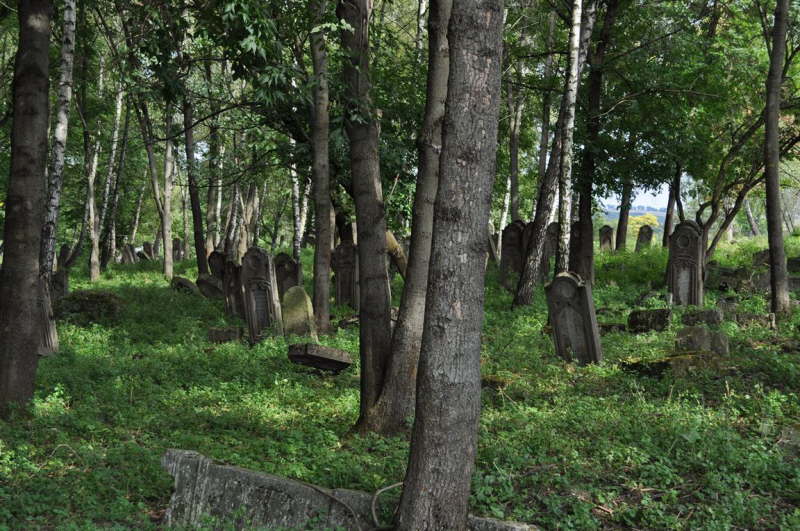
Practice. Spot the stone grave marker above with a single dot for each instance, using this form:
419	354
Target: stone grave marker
232	289
344	263
216	263
184	285
710	317
262	307
319	357
645	238
286	272
686	260
512	252
606	238
211	287
298	313
699	339
647	320
575	331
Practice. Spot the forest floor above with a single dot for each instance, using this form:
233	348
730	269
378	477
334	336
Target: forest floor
561	446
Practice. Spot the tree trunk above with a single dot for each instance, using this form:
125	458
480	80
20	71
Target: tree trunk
21	323
544	135
214	194
166	210
56	173
437	483
137	212
624	215
516	106
110	235
565	180
297	226
320	172
375	331
396	403
779	277
194	194
668	220
112	160
751	219
504	216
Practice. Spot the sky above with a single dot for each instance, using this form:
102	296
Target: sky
658	199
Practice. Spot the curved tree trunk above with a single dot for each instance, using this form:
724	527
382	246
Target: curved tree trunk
624	215
21	323
375	332
396	403
437	483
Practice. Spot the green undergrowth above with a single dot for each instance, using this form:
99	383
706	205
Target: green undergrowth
561	446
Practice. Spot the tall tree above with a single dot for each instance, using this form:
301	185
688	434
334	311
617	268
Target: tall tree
362	130
194	192
21	326
437	484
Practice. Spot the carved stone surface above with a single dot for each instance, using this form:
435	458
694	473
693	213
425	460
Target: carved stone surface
645	237
216	263
575	331
344	263
686	260
286	273
184	285
245	499
211	287
512	252
647	320
298	313
262	307
224	334
606	238
319	356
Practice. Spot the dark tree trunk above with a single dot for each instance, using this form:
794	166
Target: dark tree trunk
779	277
624	215
751	219
516	106
21	323
544	138
375	331
676	190
396	403
320	170
194	193
669	219
110	235
437	483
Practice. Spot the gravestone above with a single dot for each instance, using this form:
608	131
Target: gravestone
606	238
298	313
647	320
216	263
699	339
149	251
177	249
319	357
262	307
710	317
344	263
686	260
184	285
232	290
286	273
210	286
512	252
575	331
645	238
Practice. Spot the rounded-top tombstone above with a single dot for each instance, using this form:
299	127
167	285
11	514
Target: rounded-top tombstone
645	237
686	261
606	238
286	272
511	252
262	306
572	316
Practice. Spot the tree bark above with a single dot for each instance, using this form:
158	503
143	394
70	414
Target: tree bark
544	136
320	174
194	193
137	212
624	215
21	323
396	402
56	174
374	300
668	220
779	276
751	219
516	104
437	483
110	235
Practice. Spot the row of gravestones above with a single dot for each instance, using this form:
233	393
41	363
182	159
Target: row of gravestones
576	333
130	255
643	240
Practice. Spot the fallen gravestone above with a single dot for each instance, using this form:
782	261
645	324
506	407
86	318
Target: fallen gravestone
244	498
224	334
298	313
699	339
575	331
645	238
286	271
648	320
210	287
184	285
685	269
710	317
262	307
606	238
319	357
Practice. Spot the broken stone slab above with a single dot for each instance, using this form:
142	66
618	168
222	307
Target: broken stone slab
765	320
224	334
710	317
210	287
184	285
320	357
250	499
647	320
694	339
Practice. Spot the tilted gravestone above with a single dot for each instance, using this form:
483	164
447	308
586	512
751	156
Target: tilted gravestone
344	263
210	286
606	238
216	263
232	289
298	313
286	272
645	238
184	285
512	251
575	331
686	260
149	251
262	307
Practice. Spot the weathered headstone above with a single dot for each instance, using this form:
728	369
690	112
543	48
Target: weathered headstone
298	313
759	319
319	357
232	289
699	339
647	320
184	285
286	272
575	331
344	263
210	286
606	238
793	265
512	252
216	263
686	261
645	238
262	307
149	250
